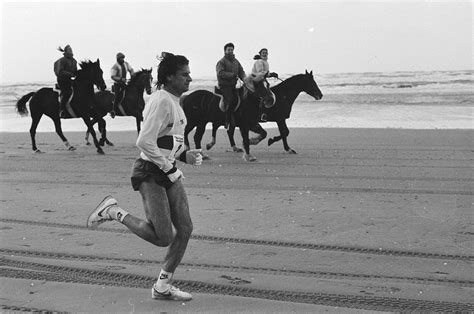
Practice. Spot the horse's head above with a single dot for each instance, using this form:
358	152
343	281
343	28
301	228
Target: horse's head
142	79
91	71
263	92
310	87
98	76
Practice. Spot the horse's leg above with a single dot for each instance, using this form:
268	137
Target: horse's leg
59	131
34	124
215	127
262	134
276	138
103	131
230	135
187	129
87	138
245	138
284	132
139	123
200	129
90	128
88	133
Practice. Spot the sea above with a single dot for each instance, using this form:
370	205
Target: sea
403	100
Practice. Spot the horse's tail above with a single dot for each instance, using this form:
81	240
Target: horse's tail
21	104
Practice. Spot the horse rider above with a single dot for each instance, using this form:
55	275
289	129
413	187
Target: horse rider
118	73
228	70
261	67
65	69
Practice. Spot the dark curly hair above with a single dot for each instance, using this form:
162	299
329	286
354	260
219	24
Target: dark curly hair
169	65
228	45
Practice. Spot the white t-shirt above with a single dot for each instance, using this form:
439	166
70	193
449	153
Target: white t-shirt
162	116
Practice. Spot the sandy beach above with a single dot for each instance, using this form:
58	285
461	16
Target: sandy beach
358	220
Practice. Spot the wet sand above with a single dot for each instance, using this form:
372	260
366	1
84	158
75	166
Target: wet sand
368	219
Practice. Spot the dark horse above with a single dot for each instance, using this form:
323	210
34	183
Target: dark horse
285	93
132	103
45	101
202	106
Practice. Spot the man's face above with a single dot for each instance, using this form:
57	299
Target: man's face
179	81
68	52
229	51
121	60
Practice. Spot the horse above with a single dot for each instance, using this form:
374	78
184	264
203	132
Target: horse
285	93
45	101
132	103
203	106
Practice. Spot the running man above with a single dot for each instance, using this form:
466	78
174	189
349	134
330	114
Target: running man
158	179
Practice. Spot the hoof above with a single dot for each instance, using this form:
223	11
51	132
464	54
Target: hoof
88	143
270	141
205	157
291	151
38	152
101	142
237	149
109	143
209	146
71	148
249	157
100	151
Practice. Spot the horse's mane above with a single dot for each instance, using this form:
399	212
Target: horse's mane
136	76
289	80
84	64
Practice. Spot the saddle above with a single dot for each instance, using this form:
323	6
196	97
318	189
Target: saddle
69	112
250	81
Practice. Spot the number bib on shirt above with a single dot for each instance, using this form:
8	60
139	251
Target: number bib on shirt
171	145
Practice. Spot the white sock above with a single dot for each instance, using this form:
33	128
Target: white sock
117	213
163	280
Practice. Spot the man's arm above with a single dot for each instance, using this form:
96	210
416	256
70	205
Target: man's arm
62	72
114	74
130	69
241	72
222	73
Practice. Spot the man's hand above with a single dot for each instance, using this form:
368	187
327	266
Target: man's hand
174	174
194	157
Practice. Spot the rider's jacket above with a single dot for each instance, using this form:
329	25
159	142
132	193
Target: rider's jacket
65	68
117	73
228	70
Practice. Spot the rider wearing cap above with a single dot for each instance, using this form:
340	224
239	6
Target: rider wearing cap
65	69
118	74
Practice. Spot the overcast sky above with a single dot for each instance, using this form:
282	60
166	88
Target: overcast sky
327	37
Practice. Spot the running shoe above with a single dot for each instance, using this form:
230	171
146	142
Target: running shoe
99	215
172	293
